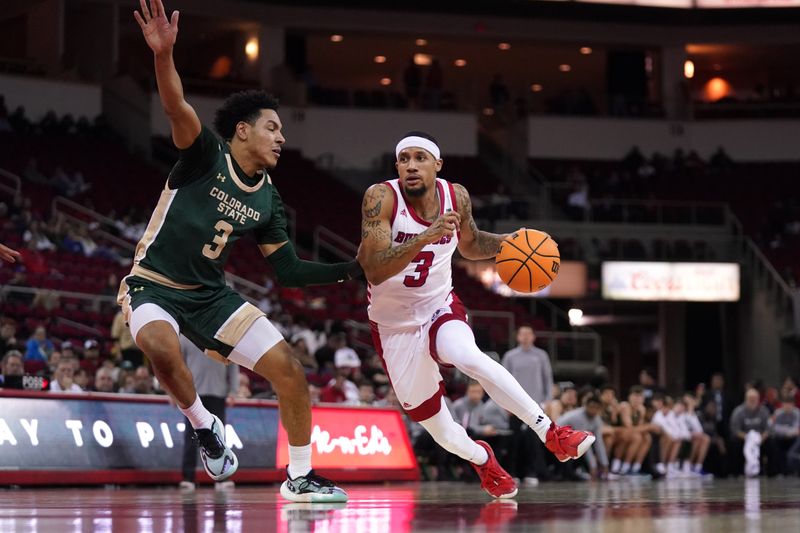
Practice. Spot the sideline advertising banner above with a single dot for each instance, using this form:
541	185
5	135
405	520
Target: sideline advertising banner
681	282
106	438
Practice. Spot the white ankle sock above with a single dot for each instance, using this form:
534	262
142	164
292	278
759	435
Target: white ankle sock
615	466
299	460
198	415
626	467
698	467
636	468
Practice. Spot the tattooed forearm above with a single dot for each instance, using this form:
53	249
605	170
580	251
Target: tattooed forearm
385	256
475	244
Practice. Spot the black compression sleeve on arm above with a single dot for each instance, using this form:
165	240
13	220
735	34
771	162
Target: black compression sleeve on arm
294	272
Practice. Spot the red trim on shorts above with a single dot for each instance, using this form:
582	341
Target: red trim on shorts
459	312
394	208
455	204
429	407
426	409
376	340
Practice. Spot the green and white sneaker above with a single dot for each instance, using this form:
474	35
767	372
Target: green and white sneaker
311	488
219	461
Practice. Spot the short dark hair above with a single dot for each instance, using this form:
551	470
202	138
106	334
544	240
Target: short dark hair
608	386
593	399
244	106
636	389
422	134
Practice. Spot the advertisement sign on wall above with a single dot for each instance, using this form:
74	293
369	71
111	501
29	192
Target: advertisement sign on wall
98	437
683	282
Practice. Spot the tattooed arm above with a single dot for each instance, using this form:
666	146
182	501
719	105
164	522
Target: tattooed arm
379	259
474	243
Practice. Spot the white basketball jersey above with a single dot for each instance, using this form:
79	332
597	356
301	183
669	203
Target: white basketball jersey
410	298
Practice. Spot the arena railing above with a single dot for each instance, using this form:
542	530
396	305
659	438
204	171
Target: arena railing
16	184
330	242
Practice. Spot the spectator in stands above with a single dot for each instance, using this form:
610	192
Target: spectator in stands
610	415
587	418
314	394
244	392
531	367
716	460
91	356
39	347
412	79
669	443
32	173
567	400
143	381
300	351
749	431
81	379
789	387
35	236
716	393
64	378
489	422
499	95
123	341
647	380
784	431
11	365
434	82
375	372
217	385
632	441
325	354
465	407
693	465
103	380
68	350
340	388
366	394
8	337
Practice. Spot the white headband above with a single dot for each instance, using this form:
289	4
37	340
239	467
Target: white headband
419	142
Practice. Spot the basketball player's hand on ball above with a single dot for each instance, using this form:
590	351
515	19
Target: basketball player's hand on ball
159	32
447	224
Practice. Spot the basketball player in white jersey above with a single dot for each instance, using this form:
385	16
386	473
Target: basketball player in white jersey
411	227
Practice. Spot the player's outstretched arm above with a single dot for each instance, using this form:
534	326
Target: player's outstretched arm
295	272
376	254
160	34
474	243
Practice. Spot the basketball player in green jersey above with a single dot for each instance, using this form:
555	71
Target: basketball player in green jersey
218	191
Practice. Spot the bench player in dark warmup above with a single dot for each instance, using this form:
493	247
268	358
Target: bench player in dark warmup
218	191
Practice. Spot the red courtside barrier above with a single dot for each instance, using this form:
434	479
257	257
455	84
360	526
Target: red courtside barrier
94	438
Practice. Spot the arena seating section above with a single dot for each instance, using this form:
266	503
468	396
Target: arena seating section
121	182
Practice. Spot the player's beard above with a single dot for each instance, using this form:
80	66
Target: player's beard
416	192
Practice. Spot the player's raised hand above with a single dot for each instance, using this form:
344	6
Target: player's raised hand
159	32
447	224
7	254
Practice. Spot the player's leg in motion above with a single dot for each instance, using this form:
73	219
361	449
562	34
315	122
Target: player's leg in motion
455	344
156	333
285	373
453	437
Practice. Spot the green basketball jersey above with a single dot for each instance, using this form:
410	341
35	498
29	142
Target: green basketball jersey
207	204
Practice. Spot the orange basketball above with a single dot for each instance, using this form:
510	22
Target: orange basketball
528	260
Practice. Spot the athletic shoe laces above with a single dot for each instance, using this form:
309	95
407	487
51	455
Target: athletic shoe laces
561	433
210	442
